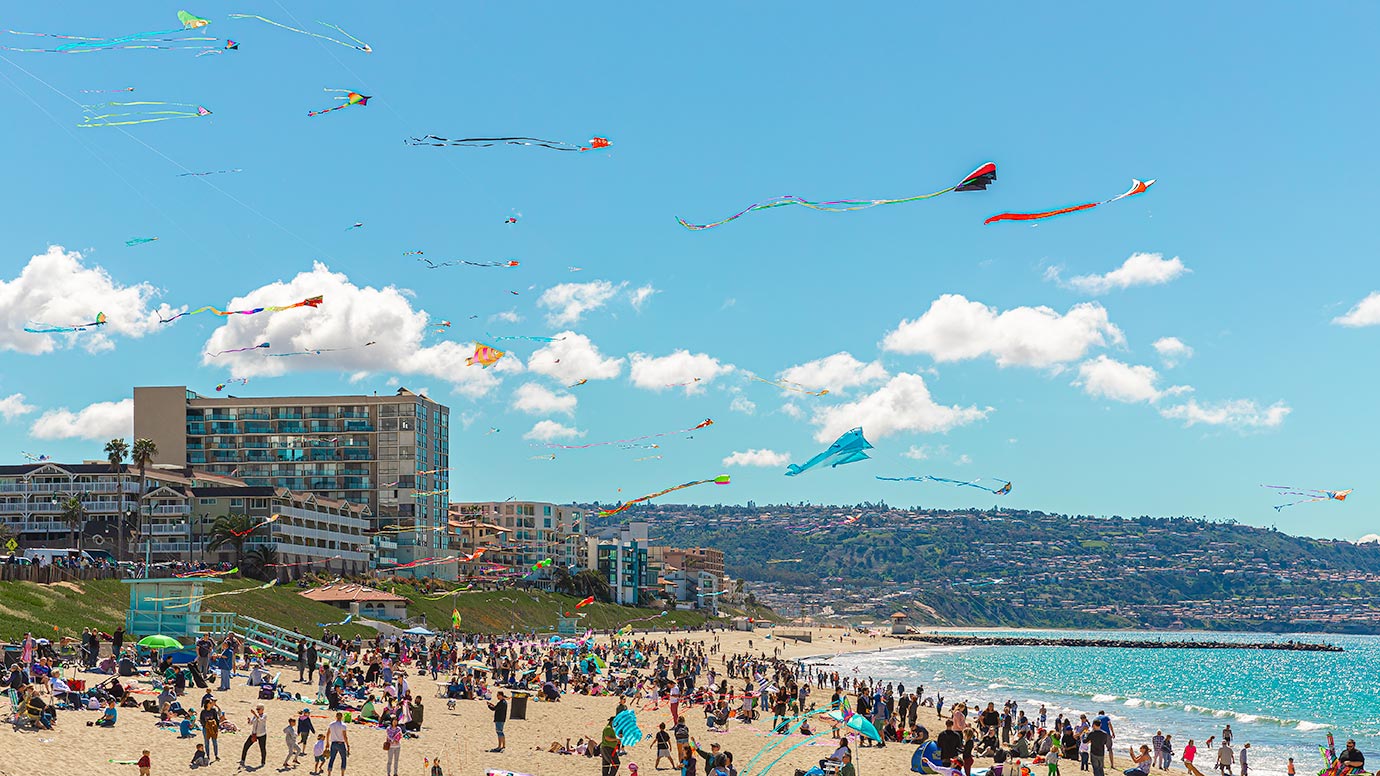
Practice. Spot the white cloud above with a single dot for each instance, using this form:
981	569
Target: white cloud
963	460
1141	269
693	370
903	404
1107	378
568	302
1365	313
572	358
792	410
537	400
925	452
547	430
507	316
743	404
1172	350
1235	413
640	296
57	289
954	329
757	458
1369	539
836	373
13	406
100	421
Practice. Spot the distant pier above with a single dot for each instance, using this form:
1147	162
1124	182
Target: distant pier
1033	641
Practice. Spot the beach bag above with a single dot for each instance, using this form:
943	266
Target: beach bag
387	744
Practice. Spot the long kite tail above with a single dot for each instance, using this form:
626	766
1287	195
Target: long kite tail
327	110
487	142
358	44
1137	187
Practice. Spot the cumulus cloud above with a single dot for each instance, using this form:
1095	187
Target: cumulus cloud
568	302
1141	269
903	404
507	316
837	373
963	460
1242	414
1369	539
1365	313
743	404
1172	350
100	421
56	288
538	400
925	452
639	296
548	430
694	370
572	358
349	317
14	406
792	410
757	458
955	329
1107	378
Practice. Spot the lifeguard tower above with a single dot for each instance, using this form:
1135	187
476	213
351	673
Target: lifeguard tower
567	626
160	606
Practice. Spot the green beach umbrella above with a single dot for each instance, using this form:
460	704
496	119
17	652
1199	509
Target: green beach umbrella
159	642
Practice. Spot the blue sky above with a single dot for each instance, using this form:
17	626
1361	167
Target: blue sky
1255	121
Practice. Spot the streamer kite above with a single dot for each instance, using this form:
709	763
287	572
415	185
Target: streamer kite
240	380
350	98
256	526
36	458
346	621
1309	496
138	40
585	602
722	479
486	142
788	385
707	422
544	563
133	241
208	573
848	448
457	262
314	301
525	337
48	328
186	602
582	381
144	112
510	220
977	180
238	350
357	45
319	351
484	355
1002	488
107	91
209	172
1137	187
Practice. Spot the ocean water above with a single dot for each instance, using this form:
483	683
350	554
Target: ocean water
1283	703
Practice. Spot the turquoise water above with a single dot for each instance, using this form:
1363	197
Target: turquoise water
1283	703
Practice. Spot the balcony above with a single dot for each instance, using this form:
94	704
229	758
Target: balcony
169	529
39	527
164	548
170	509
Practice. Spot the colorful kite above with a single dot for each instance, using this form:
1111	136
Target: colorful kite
238	350
525	337
208	573
550	457
484	355
976	180
240	380
191	21
107	91
455	619
1309	496
486	142
140	115
544	563
48	328
133	241
138	40
230	45
704	424
625	727
787	385
358	44
585	602
350	98
256	526
186	602
357	224
314	301
345	621
510	220
319	351
722	479
582	381
40	458
1002	488
211	172
437	265
1137	187
846	449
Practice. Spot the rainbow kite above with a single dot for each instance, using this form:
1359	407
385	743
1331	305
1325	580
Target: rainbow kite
722	479
45	328
350	98
314	301
484	355
1309	496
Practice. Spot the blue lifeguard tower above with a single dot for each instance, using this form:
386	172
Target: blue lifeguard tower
160	606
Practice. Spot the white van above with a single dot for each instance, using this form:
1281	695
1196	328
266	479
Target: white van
45	557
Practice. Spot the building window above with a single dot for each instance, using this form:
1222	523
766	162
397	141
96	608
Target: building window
206	502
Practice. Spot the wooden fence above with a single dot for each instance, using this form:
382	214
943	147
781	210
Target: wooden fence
47	575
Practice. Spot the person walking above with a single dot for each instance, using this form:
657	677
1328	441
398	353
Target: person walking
1191	752
338	739
1099	750
500	710
257	730
1245	751
1225	759
392	747
210	728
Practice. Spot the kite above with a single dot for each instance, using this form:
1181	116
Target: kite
486	142
212	172
1001	490
525	337
544	563
679	385
846	449
640	446
230	45
787	385
625	726
707	422
551	457
413	253
484	355
133	241
357	224
345	621
135	40
350	98
238	350
305	562
107	91
455	619
977	180
722	479
240	380
510	220
442	325
437	265
207	573
140	115
191	21
358	44
647	458
256	526
576	269
186	602
492	430
314	301
319	351
37	458
48	328
1137	187
585	602
582	381
1309	496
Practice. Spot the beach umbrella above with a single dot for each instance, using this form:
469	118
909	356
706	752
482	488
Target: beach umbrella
856	722
474	664
420	631
159	641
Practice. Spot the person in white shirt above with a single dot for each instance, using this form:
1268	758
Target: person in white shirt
338	737
257	730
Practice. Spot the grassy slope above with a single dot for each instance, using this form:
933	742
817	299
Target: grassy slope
26	607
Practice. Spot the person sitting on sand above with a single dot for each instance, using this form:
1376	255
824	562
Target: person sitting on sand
108	717
1141	760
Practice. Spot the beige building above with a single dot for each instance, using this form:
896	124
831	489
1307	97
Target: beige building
523	533
390	453
692	560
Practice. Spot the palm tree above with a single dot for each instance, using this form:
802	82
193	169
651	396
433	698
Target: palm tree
144	453
74	514
591	583
260	560
234	530
561	580
115	451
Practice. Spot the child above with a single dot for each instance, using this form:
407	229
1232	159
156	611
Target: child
199	757
1052	759
145	763
1084	752
318	753
294	749
1291	767
436	767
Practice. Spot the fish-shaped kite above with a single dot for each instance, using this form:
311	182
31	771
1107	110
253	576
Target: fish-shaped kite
1137	187
1309	496
484	355
848	448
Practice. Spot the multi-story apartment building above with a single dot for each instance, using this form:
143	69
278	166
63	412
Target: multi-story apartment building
521	533
620	555
691	559
173	519
390	453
